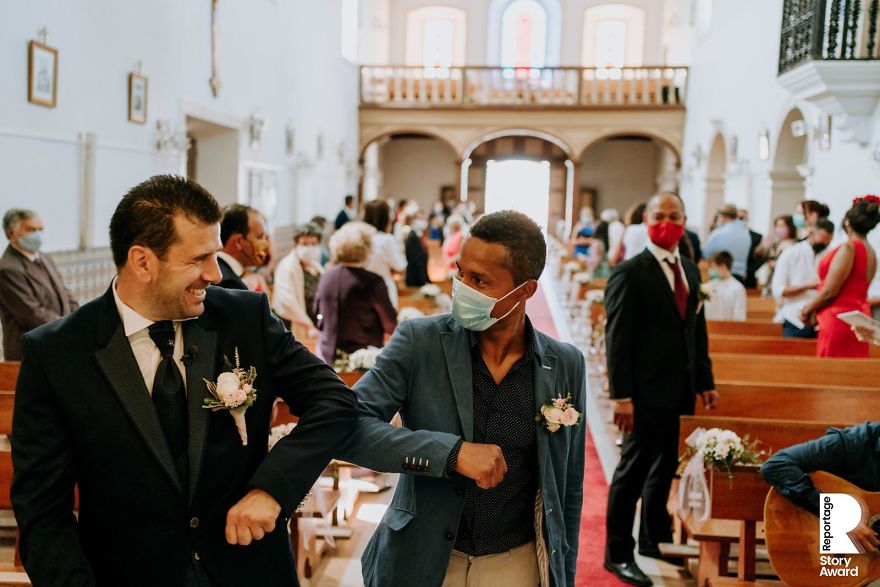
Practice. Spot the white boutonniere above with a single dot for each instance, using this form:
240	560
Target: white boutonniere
704	294
429	291
234	392
558	412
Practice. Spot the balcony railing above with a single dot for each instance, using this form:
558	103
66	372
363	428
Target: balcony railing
548	87
828	30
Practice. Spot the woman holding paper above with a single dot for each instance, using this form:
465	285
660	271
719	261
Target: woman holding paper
844	275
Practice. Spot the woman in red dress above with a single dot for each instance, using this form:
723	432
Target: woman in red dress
844	275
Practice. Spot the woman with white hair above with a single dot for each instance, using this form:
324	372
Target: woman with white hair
352	304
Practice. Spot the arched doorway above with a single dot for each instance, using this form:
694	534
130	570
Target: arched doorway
716	173
619	171
787	183
410	166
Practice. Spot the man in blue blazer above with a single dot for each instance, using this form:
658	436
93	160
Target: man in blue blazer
492	480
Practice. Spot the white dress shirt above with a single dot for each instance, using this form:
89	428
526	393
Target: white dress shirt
797	265
661	255
146	353
728	301
233	263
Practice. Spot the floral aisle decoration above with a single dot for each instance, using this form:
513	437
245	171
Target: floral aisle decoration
408	313
429	291
359	360
718	449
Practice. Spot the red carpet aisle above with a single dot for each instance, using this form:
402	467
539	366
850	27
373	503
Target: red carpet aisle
592	538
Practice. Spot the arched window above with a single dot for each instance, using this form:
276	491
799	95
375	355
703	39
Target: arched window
524	35
614	36
435	37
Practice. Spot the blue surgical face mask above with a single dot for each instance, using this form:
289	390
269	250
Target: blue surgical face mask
798	220
473	309
713	274
31	242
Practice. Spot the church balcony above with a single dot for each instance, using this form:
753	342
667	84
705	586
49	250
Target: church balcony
829	55
546	88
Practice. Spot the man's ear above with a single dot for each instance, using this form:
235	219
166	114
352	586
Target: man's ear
529	288
142	262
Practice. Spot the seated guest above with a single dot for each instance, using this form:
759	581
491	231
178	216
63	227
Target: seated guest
850	453
32	292
352	304
783	236
806	214
582	233
796	278
731	236
635	235
296	282
728	299
323	226
417	253
615	228
245	244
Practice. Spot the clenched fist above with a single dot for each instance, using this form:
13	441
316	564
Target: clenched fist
251	518
484	463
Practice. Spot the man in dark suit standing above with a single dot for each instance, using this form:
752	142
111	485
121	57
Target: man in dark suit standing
754	262
347	213
111	400
245	244
32	292
658	358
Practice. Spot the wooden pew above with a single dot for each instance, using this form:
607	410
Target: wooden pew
795	402
758	307
8	375
747	328
795	370
768	345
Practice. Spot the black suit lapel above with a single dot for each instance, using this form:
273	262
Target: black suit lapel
121	369
659	276
203	345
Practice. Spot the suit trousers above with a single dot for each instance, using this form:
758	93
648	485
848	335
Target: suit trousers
514	568
648	460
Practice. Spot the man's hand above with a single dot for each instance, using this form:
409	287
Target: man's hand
710	399
623	415
251	518
864	334
865	539
484	463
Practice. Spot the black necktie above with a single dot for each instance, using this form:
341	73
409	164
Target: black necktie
169	397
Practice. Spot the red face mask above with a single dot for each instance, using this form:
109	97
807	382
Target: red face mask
665	234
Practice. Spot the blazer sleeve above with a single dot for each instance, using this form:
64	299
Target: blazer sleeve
620	331
383	391
27	312
43	481
327	411
704	379
574	486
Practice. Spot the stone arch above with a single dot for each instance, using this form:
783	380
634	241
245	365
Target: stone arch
789	157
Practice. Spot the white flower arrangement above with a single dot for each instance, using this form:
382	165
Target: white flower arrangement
359	360
583	277
721	449
572	267
279	432
429	290
233	392
408	313
444	303
595	296
557	413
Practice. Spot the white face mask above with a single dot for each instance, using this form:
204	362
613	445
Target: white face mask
309	253
420	224
473	309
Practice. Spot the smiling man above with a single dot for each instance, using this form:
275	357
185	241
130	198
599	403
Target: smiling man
110	400
491	489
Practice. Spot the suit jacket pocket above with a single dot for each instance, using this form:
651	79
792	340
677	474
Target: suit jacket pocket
397	519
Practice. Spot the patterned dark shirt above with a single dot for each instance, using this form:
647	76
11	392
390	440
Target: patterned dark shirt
502	518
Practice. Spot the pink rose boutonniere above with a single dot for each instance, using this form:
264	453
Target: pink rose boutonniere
234	392
558	412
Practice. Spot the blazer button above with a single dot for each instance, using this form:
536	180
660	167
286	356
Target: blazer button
449	536
459	492
194	523
196	556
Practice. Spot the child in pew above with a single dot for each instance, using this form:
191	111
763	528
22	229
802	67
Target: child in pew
727	296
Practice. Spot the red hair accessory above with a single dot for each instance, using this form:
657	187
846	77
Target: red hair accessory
870	198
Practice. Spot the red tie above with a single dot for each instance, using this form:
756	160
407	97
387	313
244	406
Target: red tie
681	293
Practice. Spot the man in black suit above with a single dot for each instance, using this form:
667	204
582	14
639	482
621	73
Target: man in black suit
245	244
754	262
110	400
658	357
347	213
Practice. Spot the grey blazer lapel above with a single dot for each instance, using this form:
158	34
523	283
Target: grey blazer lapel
545	390
204	343
456	346
121	369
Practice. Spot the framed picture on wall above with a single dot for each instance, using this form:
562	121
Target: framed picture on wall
42	74
137	98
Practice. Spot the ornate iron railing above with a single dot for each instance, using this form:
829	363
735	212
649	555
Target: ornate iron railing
828	30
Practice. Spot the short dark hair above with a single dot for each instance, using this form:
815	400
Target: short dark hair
14	216
789	225
236	220
810	206
523	239
377	213
824	224
305	230
349	199
863	217
723	258
319	221
145	216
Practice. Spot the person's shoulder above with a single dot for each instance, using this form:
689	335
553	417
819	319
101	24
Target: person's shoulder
70	329
231	301
630	265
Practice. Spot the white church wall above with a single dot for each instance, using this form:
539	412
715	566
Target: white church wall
281	59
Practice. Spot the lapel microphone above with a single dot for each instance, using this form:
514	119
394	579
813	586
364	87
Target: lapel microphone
192	351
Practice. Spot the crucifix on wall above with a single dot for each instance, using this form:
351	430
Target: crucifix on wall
215	77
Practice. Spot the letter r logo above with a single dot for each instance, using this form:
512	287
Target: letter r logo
839	514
